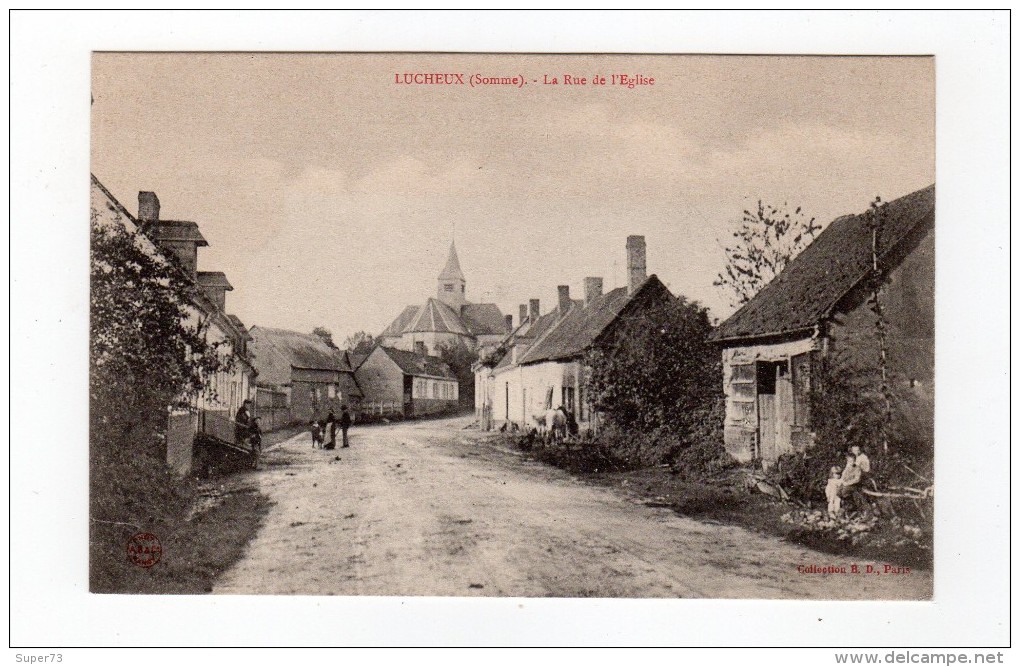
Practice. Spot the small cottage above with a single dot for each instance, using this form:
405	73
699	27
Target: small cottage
409	382
301	375
541	364
210	412
817	307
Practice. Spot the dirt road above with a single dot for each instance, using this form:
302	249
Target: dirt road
428	508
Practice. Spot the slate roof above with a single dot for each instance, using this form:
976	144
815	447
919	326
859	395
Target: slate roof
452	269
814	282
483	318
524	336
358	358
412	363
304	350
439	317
177	230
398	325
349	386
575	331
214	279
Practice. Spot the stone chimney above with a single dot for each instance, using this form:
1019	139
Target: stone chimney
523	313
564	299
509	320
592	290
636	271
533	310
419	348
148	207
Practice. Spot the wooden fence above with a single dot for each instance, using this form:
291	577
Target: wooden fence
381	408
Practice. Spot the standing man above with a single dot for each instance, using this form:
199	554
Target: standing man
345	423
331	424
242	422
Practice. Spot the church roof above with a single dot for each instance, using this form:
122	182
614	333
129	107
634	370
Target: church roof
452	269
399	325
483	318
438	317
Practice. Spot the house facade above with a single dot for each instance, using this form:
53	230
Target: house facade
448	318
211	411
540	365
817	311
301	374
414	383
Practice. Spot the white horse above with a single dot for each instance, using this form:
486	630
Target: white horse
552	424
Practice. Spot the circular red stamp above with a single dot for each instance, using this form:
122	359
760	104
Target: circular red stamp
144	550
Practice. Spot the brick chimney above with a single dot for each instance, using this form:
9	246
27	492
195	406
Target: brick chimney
533	310
419	348
592	290
523	313
148	207
179	237
509	320
636	271
564	303
215	286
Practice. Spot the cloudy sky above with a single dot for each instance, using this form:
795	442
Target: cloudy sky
329	194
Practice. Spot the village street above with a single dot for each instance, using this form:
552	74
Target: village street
430	508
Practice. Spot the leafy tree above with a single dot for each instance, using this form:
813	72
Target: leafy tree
361	342
768	238
147	353
326	335
654	371
460	358
145	357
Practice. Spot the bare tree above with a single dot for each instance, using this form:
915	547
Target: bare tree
768	238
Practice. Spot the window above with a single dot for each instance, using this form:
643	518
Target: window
743	381
447	287
435	390
331	390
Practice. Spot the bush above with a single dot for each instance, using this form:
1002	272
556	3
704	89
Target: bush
143	359
655	382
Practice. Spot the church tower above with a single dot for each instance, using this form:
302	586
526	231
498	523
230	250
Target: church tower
451	290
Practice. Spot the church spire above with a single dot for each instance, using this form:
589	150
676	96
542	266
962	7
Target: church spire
452	285
452	269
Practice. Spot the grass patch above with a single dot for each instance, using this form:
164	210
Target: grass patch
195	549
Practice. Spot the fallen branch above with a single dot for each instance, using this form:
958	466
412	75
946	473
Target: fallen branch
919	475
919	495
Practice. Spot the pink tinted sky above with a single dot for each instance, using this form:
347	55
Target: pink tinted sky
329	194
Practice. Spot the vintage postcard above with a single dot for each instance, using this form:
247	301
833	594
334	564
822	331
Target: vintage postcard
506	325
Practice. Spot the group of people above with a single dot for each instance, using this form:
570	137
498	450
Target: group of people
330	425
841	482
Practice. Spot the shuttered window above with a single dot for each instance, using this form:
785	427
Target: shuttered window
742	393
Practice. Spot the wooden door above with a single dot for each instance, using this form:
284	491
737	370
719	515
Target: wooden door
784	409
767	426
